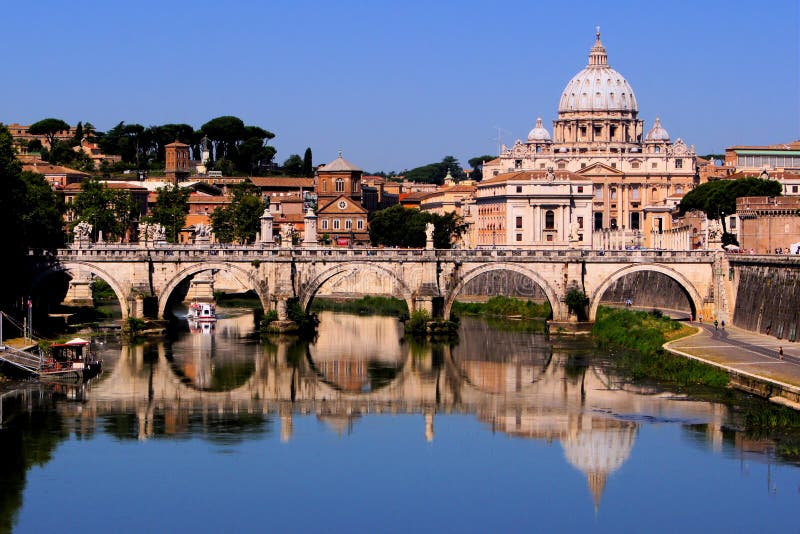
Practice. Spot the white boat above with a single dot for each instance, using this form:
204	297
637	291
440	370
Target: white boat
202	312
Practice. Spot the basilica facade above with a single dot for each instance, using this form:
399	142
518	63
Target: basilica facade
636	176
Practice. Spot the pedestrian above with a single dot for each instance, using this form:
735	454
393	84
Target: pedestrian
716	324
723	324
700	317
780	353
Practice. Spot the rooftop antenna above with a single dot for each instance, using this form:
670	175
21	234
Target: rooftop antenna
499	138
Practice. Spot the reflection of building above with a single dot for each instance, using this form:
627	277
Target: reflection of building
637	177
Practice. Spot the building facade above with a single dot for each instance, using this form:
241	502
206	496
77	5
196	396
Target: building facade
636	176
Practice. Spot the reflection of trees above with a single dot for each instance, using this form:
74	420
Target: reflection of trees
27	440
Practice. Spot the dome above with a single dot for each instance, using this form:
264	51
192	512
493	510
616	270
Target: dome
598	87
657	132
539	132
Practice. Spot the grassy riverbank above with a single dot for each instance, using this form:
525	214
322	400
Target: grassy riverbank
500	306
644	333
369	305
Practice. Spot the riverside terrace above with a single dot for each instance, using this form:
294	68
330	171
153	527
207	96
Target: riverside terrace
425	278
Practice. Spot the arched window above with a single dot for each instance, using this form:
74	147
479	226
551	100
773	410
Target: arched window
348	224
324	224
549	220
360	224
339	185
336	224
324	186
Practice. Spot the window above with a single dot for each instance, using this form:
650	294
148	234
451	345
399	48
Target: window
658	150
794	189
324	186
634	193
679	163
613	193
519	222
598	192
339	185
549	237
519	189
635	165
348	224
549	220
336	224
360	224
562	165
541	166
653	165
598	220
519	237
658	224
583	165
678	190
613	165
517	163
580	223
634	221
580	189
732	224
324	224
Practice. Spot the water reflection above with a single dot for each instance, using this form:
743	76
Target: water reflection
228	386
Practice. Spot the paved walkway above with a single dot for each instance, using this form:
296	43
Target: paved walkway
743	351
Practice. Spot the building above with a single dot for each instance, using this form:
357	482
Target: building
92	149
57	176
532	209
768	224
20	133
635	176
755	159
177	162
337	178
343	221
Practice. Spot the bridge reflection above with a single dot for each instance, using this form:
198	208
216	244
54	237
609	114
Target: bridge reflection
519	384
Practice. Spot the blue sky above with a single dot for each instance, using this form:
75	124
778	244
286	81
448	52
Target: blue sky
399	84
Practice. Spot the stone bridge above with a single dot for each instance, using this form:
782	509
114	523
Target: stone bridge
426	279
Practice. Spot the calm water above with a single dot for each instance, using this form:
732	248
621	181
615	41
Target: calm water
361	431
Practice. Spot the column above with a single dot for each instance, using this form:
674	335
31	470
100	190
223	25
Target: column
266	228
310	229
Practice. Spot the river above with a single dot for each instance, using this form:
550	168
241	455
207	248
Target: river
361	430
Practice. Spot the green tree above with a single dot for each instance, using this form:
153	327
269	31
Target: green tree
224	132
308	164
477	166
239	221
76	140
110	211
293	166
718	197
404	227
170	210
49	128
436	172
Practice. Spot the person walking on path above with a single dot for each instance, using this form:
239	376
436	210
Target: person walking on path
780	353
716	324
723	324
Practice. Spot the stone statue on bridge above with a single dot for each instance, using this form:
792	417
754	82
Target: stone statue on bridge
153	233
82	232
202	233
429	228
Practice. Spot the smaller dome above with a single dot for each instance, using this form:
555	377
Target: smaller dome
539	132
657	132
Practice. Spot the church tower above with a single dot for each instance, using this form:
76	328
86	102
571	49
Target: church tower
177	162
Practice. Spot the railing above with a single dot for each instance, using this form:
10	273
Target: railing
128	252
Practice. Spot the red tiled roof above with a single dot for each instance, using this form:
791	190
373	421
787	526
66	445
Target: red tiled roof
531	175
286	182
46	168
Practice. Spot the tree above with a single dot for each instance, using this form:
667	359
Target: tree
49	128
170	210
404	227
43	217
110	211
293	166
223	132
76	140
477	166
240	221
718	197
436	172
308	164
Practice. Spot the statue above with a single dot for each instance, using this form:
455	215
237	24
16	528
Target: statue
573	231
551	175
159	233
202	230
429	231
83	231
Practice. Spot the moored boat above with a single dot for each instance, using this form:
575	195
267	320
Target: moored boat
202	312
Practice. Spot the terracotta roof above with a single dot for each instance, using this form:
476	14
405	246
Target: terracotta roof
122	186
339	164
46	168
177	144
411	197
287	182
531	175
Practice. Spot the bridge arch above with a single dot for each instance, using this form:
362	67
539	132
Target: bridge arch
551	294
242	275
695	300
71	267
310	290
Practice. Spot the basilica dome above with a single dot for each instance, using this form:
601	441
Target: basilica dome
598	87
539	132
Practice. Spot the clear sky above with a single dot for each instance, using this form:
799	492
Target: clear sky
399	84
